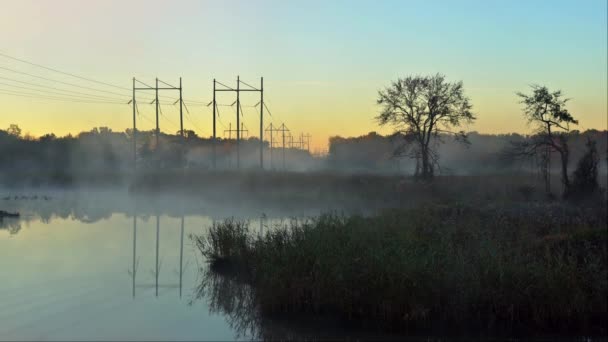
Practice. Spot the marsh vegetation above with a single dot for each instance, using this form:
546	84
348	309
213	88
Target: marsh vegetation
457	269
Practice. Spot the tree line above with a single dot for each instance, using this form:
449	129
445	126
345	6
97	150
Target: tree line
423	110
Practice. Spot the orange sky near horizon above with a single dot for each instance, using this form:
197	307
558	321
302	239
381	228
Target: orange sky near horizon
323	62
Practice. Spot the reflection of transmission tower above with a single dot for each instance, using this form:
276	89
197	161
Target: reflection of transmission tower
133	271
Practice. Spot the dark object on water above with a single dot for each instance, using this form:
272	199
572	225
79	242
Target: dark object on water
7	214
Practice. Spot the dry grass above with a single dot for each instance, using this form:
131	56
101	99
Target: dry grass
532	268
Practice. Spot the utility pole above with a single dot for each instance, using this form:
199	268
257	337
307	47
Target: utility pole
271	131
238	91
290	140
229	130
244	130
262	123
308	136
156	89
157	106
135	110
181	117
275	142
283	129
238	120
214	136
134	130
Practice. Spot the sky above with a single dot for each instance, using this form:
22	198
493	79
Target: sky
323	62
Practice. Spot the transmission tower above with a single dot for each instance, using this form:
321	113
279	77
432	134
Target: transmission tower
271	130
230	130
157	130
283	129
307	136
238	90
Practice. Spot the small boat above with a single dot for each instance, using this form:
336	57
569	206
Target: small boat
7	214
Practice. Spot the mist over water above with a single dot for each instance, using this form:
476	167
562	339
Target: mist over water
77	261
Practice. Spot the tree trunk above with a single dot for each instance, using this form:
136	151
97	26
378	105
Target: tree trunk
545	165
427	166
565	156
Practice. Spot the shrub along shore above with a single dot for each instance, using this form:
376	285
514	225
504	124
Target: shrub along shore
534	269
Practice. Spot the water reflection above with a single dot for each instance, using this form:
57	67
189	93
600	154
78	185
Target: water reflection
135	262
85	207
67	268
230	296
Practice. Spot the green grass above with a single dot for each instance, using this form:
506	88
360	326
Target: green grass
536	268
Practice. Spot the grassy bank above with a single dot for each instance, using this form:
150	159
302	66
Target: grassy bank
536	268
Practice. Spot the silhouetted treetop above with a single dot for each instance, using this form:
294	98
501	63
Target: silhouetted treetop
421	107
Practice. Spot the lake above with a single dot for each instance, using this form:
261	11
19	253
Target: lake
79	266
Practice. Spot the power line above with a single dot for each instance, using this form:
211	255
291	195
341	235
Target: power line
63	72
268	110
218	117
164	96
78	85
59	89
189	118
64	93
37	96
165	117
250	86
192	122
62	82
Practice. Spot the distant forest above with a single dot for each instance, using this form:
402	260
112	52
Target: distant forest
484	154
102	150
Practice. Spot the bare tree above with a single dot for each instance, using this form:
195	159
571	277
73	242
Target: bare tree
421	108
547	112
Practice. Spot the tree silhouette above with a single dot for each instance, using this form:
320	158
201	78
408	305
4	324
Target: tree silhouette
421	108
585	176
14	130
547	112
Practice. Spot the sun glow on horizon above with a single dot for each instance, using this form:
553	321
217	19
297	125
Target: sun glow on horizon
322	63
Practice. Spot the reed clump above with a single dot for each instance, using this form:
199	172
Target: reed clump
540	268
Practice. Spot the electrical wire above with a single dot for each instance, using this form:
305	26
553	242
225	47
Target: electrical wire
62	72
166	118
59	89
142	115
223	85
38	96
82	97
58	81
268	110
250	86
79	77
87	96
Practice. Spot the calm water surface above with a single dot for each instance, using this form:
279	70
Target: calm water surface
104	265
86	269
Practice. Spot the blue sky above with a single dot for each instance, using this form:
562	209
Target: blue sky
323	61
